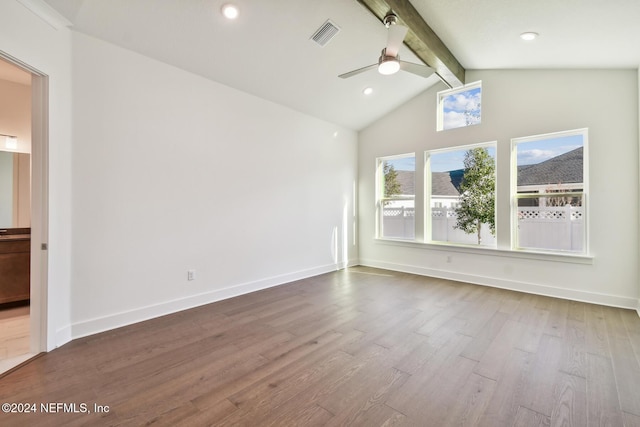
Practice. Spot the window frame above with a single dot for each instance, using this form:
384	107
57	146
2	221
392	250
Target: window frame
448	92
428	216
583	193
380	198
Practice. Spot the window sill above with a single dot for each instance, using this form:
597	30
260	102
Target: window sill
490	251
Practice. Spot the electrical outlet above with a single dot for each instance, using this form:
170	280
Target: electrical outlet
191	275
449	258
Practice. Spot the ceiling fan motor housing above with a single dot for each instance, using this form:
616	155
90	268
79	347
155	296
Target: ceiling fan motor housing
388	64
390	20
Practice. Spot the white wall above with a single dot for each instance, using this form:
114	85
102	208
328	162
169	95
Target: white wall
6	189
15	119
518	104
15	114
175	172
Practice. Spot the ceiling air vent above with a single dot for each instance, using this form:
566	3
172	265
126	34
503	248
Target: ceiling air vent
325	33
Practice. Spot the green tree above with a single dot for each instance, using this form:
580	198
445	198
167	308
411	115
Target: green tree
478	199
391	184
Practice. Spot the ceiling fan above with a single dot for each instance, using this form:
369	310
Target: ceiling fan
389	61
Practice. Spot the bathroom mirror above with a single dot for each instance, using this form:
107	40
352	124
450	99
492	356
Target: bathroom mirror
15	190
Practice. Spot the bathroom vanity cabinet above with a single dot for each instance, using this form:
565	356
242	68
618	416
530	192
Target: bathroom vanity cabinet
15	247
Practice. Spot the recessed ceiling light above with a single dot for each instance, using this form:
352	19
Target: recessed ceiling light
230	11
367	91
528	36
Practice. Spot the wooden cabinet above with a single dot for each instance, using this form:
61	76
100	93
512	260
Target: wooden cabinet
14	267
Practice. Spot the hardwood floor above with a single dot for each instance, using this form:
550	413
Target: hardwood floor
361	347
14	335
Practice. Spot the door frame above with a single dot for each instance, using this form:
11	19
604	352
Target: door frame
38	310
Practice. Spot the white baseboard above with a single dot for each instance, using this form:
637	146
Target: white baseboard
531	288
116	320
63	336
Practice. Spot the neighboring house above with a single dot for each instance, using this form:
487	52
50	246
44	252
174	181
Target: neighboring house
558	174
407	182
445	188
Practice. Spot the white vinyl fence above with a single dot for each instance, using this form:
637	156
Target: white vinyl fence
556	228
399	222
550	227
443	221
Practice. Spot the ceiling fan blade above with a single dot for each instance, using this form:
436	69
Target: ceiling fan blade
358	71
395	38
417	69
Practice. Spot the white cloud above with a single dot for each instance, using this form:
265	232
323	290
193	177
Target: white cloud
461	109
536	155
452	120
463	101
531	157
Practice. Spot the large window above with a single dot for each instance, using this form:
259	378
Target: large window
396	197
460	107
549	188
461	194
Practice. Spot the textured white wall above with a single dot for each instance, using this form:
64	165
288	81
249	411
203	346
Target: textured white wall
518	104
175	172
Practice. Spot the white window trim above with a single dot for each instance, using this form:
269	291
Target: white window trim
428	218
379	192
584	132
570	257
440	107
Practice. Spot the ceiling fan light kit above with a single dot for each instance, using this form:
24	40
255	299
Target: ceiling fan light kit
389	62
388	65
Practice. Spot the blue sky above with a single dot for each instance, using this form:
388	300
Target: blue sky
455	106
452	160
403	164
529	153
533	152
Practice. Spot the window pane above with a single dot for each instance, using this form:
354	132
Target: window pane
551	164
552	223
460	107
462	199
397	202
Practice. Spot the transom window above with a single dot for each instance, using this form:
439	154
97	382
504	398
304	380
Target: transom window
460	107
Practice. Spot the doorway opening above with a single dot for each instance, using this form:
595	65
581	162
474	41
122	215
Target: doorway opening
23	175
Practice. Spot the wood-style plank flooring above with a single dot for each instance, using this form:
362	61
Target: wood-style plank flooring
14	335
359	347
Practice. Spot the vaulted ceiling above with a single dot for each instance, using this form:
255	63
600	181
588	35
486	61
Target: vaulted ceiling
267	50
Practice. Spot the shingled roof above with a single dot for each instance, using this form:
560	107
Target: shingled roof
563	169
446	183
442	183
406	179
